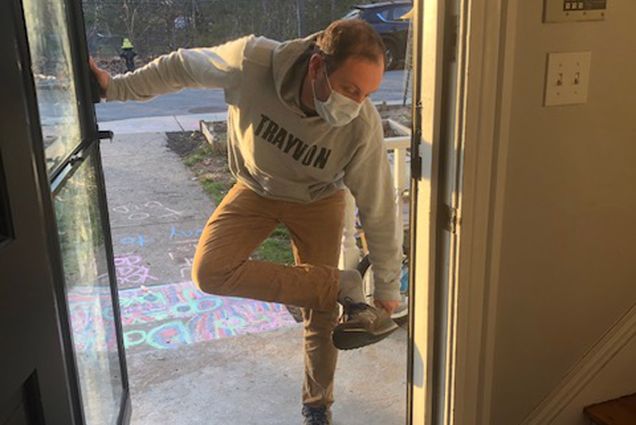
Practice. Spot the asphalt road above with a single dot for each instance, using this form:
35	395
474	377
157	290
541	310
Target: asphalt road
198	101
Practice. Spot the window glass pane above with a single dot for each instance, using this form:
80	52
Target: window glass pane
53	76
77	208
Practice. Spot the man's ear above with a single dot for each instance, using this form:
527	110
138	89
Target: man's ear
315	62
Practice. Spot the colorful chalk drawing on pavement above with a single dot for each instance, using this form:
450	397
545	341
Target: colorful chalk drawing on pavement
130	269
172	315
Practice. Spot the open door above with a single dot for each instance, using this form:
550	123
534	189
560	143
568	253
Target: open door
56	257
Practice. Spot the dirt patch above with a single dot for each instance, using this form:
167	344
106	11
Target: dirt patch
183	143
208	164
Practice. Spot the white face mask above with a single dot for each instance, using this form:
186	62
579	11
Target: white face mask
338	110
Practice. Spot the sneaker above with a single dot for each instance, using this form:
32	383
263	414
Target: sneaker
316	415
361	325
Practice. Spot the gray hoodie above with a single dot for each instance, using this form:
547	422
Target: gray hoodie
274	147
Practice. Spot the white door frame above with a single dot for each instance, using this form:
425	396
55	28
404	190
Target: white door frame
490	35
427	87
487	38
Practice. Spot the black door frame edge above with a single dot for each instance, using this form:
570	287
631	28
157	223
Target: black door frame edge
79	52
46	205
90	141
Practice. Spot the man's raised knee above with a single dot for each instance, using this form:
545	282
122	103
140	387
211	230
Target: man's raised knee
211	278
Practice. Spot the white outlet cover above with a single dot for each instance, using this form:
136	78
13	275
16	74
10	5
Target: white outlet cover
568	78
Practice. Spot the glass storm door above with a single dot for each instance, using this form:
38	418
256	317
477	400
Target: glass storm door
64	171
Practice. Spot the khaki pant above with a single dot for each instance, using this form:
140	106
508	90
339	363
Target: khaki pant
222	266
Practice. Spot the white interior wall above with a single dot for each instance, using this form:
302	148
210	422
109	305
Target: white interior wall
567	269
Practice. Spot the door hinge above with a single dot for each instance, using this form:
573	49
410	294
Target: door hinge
416	143
450	219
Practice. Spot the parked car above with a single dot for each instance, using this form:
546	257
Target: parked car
388	20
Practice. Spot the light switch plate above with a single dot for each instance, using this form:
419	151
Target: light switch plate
568	78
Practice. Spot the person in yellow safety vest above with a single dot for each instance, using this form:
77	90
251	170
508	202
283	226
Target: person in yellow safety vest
128	54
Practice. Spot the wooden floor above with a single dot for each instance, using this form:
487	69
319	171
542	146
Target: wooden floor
621	411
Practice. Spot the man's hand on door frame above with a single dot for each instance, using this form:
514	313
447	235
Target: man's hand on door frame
102	76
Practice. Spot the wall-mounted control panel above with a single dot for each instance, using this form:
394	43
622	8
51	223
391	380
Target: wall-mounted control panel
574	10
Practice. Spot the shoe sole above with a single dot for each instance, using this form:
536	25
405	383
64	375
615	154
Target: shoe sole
350	339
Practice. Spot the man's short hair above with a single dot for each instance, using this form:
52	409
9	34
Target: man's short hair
347	38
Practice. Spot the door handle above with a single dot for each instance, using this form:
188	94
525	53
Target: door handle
104	134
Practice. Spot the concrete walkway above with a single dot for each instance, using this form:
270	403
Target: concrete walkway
200	359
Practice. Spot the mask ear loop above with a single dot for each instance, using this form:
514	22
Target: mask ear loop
313	83
327	79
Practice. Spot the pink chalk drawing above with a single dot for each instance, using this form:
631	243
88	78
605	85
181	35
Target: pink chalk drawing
131	270
172	315
92	320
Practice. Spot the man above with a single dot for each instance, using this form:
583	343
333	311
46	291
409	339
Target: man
301	127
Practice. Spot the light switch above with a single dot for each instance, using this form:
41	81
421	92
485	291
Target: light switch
568	78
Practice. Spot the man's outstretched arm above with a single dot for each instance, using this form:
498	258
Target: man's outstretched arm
209	67
368	176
